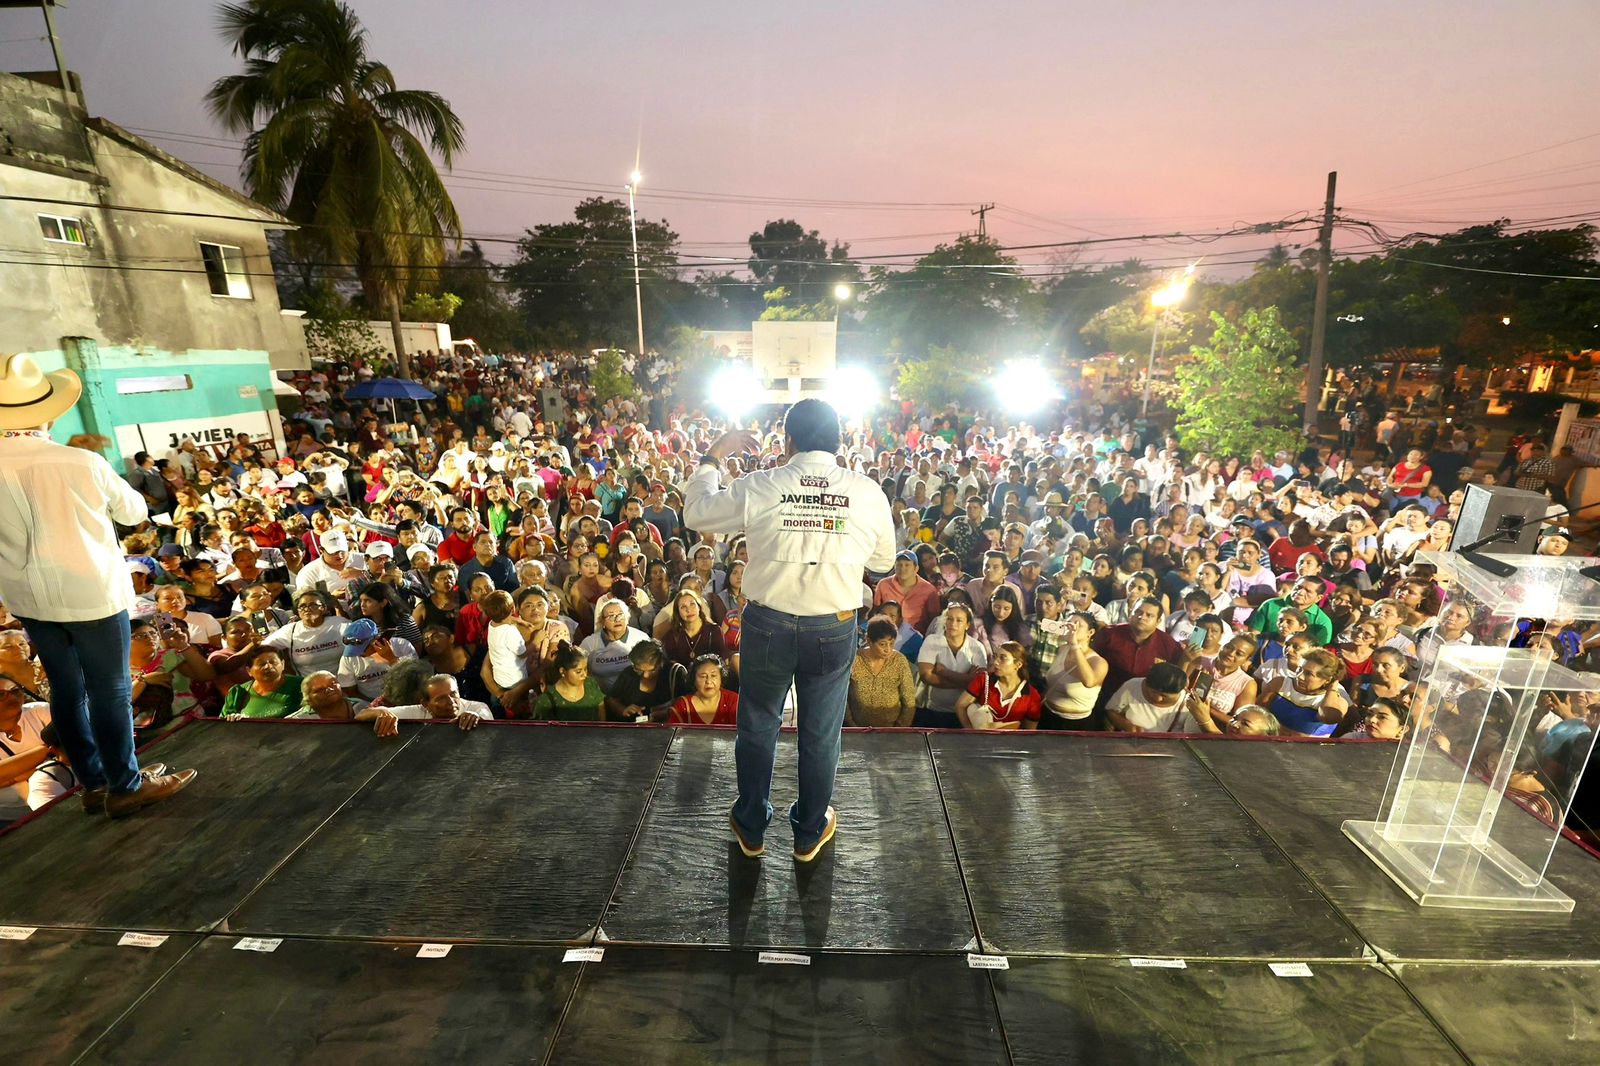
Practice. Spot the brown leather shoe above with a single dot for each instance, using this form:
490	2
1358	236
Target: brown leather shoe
154	790
94	799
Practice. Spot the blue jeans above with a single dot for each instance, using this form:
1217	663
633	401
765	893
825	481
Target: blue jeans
815	652
90	696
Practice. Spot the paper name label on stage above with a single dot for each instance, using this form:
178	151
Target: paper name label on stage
141	940
433	951
17	932
263	944
784	958
987	962
584	955
1159	964
1290	969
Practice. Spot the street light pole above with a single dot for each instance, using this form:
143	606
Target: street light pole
1163	300
633	225
1150	364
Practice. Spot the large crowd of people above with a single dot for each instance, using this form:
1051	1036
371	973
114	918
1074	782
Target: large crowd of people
516	549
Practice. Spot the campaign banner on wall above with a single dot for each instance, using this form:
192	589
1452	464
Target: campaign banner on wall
210	433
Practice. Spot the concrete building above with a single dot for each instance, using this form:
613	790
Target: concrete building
147	277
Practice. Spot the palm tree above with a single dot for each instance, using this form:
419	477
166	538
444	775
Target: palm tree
334	146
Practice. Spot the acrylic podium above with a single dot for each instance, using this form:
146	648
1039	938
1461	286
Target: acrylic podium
1497	744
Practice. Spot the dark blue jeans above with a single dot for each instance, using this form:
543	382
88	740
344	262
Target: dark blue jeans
90	696
815	653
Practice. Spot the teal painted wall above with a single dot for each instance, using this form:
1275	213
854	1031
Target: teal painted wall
215	380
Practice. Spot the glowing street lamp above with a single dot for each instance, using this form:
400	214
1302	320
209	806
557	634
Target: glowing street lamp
633	225
1163	300
841	296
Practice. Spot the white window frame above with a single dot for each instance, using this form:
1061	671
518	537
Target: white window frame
77	223
233	270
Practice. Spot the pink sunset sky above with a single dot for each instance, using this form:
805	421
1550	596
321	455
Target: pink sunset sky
895	119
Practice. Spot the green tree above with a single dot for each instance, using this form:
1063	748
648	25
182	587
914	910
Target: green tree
788	256
335	146
1241	391
943	376
428	307
487	314
1060	310
610	379
336	332
1542	280
964	295
780	307
574	280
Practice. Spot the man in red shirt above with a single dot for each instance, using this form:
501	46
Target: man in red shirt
1131	649
457	548
918	599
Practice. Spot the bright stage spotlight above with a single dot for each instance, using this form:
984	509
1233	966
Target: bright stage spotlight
853	392
1024	387
735	390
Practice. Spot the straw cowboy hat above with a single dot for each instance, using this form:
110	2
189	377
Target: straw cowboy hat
29	397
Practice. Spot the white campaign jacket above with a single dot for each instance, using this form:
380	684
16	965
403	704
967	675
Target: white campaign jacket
812	527
59	556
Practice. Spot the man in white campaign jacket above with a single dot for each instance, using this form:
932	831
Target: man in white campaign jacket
812	529
63	574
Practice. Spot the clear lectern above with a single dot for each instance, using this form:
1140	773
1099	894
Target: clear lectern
1497	743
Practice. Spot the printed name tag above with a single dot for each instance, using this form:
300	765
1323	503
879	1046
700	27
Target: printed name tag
141	940
1160	964
988	962
784	958
17	932
1290	969
433	951
258	943
584	955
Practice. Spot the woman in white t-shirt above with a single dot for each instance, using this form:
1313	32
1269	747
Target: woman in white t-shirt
312	641
946	665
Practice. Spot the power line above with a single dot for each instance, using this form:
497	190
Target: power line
1503	273
1490	163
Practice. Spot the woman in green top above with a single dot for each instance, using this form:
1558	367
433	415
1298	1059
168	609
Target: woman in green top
270	693
575	696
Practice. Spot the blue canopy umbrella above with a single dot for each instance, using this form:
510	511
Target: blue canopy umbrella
387	389
390	389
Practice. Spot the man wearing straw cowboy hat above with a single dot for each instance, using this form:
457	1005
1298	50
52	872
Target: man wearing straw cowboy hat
63	575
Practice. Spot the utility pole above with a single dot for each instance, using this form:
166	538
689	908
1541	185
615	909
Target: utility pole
983	228
1319	313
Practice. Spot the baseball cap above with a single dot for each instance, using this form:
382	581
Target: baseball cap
1030	558
418	549
334	540
380	548
141	566
167	551
906	557
358	637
